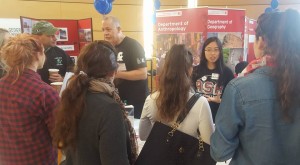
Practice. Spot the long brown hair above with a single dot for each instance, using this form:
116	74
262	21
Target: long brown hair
19	53
280	31
174	83
96	60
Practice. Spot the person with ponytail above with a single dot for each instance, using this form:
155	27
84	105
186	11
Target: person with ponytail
91	124
259	117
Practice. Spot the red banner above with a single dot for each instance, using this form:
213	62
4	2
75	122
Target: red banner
193	26
181	20
225	20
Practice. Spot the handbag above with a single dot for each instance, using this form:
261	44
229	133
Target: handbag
166	145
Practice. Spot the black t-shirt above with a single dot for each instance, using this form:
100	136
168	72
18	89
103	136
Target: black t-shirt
205	82
131	56
56	58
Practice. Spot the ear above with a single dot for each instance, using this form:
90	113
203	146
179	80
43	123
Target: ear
38	56
119	29
261	43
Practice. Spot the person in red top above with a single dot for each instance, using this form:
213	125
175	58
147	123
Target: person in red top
26	105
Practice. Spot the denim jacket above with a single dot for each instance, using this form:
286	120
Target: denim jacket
249	124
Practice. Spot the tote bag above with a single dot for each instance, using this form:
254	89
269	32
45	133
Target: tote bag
168	146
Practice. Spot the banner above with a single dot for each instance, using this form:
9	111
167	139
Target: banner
251	32
180	26
193	26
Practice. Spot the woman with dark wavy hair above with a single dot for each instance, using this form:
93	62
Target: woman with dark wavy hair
211	76
259	118
91	125
173	94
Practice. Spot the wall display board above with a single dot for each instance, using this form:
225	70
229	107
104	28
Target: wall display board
251	38
71	36
181	26
11	24
228	25
194	25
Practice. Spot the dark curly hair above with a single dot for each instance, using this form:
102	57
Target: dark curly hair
281	34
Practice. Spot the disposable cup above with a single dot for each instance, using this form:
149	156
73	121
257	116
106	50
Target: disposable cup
53	71
57	86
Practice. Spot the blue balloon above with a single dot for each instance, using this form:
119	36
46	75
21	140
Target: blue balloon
268	10
108	10
101	6
157	4
274	4
154	18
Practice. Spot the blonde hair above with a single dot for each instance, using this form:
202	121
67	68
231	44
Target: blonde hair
20	52
3	32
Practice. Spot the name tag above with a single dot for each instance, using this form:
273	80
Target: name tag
122	67
214	76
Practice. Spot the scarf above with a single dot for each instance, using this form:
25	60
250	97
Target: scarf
106	86
266	60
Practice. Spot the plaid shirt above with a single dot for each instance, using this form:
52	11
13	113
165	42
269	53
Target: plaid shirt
26	120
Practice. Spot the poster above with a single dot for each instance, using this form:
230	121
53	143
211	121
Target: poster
193	26
85	35
251	32
229	26
68	34
179	27
27	23
11	24
62	34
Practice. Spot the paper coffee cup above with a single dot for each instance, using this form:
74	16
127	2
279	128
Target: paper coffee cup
57	86
53	71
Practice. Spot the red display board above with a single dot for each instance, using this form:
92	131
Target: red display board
85	32
251	33
193	26
71	36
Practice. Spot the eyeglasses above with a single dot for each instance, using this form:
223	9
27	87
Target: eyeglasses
212	50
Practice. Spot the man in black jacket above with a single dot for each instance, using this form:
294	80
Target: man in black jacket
56	58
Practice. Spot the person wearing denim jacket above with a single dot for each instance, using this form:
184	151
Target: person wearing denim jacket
259	117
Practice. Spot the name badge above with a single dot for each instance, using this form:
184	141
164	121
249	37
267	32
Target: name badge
214	76
122	67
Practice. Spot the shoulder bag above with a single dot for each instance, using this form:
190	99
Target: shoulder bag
168	146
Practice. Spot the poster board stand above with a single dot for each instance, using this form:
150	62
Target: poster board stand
72	35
